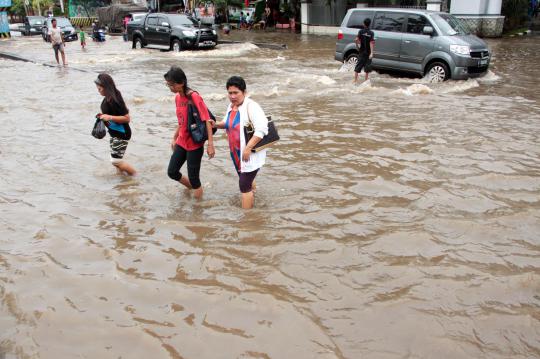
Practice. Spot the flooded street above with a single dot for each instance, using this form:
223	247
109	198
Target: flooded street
395	219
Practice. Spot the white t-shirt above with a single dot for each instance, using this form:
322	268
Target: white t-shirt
56	35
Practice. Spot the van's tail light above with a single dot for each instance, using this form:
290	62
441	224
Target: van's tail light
340	35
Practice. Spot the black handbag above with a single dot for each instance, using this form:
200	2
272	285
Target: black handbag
99	131
197	127
268	140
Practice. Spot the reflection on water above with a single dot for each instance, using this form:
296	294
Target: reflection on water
395	218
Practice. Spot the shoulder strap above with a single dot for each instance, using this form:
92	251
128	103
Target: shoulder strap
188	95
250	123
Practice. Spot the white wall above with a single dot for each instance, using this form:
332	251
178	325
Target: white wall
494	7
476	7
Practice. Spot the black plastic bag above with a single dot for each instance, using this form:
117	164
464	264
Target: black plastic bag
99	131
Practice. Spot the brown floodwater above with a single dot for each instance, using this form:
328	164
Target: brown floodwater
395	219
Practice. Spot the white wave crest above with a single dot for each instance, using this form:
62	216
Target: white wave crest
365	87
215	96
489	77
457	86
415	89
223	50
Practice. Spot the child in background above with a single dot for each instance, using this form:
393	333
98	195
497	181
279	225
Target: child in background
82	37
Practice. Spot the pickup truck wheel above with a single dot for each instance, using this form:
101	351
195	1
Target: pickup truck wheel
438	72
176	46
137	44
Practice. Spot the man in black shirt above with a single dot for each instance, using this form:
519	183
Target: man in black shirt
365	41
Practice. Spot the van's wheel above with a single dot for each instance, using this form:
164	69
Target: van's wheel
438	72
352	60
138	44
176	46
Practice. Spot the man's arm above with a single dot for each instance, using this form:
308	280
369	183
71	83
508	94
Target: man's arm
372	45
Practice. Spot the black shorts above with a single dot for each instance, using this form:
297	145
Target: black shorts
364	62
245	180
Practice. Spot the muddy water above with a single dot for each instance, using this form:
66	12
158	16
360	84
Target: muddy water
395	219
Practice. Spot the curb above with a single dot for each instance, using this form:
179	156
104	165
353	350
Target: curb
15	57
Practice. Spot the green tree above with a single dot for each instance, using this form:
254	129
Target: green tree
34	7
41	6
17	8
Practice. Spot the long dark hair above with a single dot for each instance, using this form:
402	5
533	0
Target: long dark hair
177	76
112	95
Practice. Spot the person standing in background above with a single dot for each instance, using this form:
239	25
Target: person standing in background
365	42
57	41
82	37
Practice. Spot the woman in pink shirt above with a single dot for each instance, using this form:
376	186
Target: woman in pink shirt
183	146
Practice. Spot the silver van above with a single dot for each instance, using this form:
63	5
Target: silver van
429	43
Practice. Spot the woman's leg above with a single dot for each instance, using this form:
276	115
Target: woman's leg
248	200
176	162
125	167
245	182
118	149
194	168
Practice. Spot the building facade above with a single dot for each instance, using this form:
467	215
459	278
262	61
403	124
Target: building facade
482	17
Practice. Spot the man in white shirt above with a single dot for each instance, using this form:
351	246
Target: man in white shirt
57	40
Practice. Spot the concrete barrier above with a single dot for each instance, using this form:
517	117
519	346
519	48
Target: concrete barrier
15	57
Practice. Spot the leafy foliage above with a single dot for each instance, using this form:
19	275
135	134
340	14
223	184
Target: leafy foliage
17	6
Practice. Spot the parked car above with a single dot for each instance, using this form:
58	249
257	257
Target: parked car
176	31
424	42
67	29
32	25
